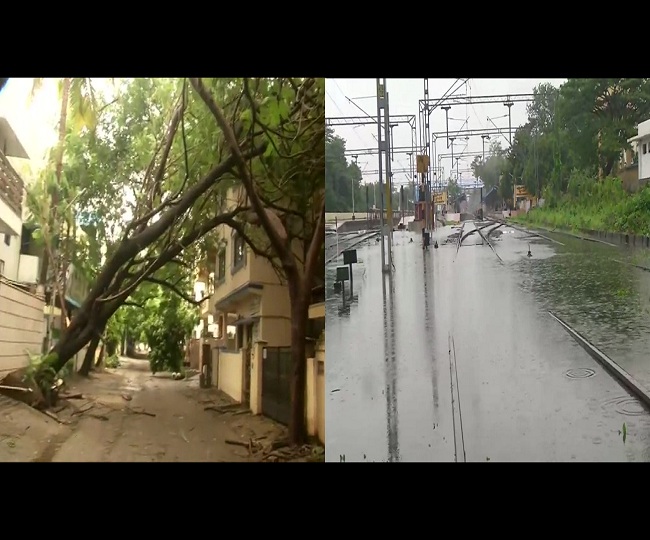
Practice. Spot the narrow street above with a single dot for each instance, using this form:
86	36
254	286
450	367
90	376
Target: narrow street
468	324
128	414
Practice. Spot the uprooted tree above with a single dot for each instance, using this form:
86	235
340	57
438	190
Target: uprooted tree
286	190
152	181
170	188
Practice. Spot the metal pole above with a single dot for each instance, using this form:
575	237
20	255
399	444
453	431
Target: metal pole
509	104
336	226
351	284
367	207
446	109
389	180
356	159
381	90
410	155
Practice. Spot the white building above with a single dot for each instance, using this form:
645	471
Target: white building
642	144
22	324
14	265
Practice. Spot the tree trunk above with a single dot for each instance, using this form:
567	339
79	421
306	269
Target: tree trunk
63	120
299	315
86	324
90	356
100	360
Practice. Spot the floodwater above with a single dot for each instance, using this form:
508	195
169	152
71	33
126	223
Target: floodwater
455	358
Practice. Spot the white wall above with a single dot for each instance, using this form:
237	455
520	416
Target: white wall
22	326
644	158
10	254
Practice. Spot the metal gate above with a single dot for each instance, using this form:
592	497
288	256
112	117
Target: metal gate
246	398
276	383
206	365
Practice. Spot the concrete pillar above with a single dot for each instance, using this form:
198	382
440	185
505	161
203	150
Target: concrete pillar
256	377
311	399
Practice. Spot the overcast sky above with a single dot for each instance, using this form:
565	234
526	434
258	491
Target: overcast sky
404	95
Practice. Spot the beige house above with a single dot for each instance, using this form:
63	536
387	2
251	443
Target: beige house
22	321
23	309
246	327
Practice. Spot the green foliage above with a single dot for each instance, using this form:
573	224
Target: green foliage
112	361
454	191
343	177
168	325
568	153
595	205
40	372
490	170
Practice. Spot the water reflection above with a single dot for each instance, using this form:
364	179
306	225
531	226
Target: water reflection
593	289
390	348
429	334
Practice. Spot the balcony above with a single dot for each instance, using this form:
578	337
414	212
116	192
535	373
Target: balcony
11	198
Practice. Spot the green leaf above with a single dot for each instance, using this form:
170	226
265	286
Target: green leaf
246	117
269	150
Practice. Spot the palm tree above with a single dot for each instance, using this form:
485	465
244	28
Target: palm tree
79	105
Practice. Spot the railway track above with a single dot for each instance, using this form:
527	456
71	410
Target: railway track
484	237
348	242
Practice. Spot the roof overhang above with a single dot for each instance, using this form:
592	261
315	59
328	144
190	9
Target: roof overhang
247	320
238	295
9	143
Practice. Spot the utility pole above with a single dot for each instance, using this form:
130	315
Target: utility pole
410	155
392	155
356	159
381	101
446	109
367	206
452	139
484	137
389	179
509	104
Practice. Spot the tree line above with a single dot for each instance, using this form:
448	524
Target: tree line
577	131
344	178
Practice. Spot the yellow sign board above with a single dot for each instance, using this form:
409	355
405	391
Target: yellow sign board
521	191
422	163
380	90
440	198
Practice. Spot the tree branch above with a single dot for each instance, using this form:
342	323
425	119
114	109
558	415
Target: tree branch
317	242
169	140
276	240
175	290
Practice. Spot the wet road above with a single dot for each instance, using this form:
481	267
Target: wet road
467	324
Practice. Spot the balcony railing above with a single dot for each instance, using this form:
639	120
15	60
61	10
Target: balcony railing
11	186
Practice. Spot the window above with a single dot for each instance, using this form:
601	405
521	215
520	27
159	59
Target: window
211	283
645	148
2	267
239	252
8	239
221	265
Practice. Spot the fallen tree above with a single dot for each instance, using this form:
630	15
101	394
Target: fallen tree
177	197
